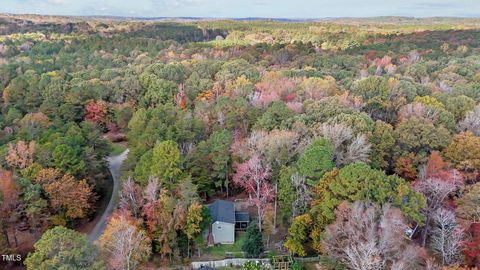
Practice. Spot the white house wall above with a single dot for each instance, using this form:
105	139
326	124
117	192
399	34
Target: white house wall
223	233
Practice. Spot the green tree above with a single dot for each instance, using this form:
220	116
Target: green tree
253	245
172	72
371	87
199	167
158	92
165	163
62	248
165	122
142	170
219	154
320	111
317	159
274	116
298	234
429	101
358	181
417	71
286	193
459	106
409	90
382	141
359	122
236	68
64	157
464	152
419	136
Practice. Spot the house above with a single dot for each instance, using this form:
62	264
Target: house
225	220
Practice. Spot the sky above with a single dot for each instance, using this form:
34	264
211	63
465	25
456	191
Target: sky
246	8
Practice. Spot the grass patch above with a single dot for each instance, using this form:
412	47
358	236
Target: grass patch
116	149
236	248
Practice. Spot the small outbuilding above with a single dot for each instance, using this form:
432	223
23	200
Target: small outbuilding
224	222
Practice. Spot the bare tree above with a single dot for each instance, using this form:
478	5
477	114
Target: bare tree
303	195
436	190
447	237
123	244
357	150
369	238
348	148
418	110
150	193
253	176
277	146
471	122
337	134
130	197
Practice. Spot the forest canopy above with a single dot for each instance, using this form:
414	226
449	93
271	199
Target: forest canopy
333	135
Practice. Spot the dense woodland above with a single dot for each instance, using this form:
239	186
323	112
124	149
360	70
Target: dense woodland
355	140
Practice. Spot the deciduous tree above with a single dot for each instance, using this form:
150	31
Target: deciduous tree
62	248
70	196
298	234
365	237
447	237
468	205
358	181
123	244
96	111
131	197
253	176
463	152
21	155
471	122
348	148
436	190
421	137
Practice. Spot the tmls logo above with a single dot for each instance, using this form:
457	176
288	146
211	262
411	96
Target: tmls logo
12	258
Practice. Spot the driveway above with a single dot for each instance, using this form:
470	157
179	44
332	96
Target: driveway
114	165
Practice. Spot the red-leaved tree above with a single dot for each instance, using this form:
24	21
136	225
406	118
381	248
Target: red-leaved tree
253	176
96	111
472	245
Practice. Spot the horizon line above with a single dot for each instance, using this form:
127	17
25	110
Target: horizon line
243	18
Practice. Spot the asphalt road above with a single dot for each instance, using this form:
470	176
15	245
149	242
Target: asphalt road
114	165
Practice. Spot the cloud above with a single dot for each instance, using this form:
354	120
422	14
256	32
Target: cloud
57	2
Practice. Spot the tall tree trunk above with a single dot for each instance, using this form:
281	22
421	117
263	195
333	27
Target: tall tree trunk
226	178
259	213
15	235
425	230
275	207
5	232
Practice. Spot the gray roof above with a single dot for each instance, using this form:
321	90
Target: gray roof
242	216
223	211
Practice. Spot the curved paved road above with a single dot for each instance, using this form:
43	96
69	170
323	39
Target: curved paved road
114	165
